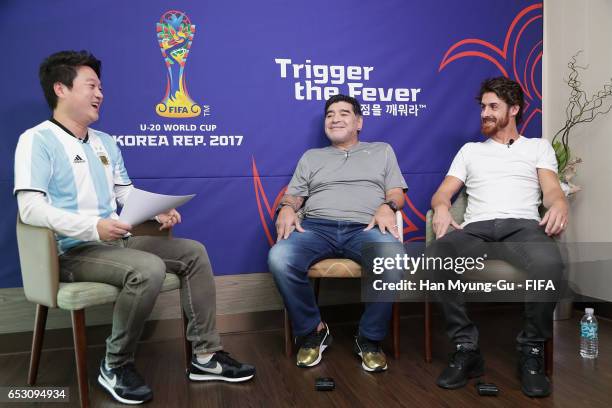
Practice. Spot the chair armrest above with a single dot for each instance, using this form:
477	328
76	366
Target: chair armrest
39	263
457	211
429	233
400	225
151	228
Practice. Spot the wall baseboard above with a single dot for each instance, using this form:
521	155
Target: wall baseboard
236	294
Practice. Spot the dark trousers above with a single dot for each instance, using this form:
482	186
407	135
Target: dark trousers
525	245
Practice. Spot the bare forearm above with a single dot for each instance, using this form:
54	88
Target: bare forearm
440	200
397	196
554	197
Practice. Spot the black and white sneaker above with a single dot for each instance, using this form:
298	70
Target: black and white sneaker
124	384
221	367
534	382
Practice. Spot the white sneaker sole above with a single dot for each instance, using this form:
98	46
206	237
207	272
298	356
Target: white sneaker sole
102	382
368	369
213	377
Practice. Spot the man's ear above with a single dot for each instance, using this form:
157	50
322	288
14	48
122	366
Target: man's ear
60	89
514	110
360	123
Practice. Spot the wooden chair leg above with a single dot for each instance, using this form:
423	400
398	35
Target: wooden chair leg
548	356
80	352
427	331
187	351
37	340
288	335
395	328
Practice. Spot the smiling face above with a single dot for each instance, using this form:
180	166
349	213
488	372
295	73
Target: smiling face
81	102
342	125
495	114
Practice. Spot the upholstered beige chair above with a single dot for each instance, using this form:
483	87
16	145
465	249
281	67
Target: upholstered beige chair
342	268
40	273
494	270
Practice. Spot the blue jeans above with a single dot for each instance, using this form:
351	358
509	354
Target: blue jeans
289	260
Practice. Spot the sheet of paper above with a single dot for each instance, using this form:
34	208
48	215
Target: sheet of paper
142	205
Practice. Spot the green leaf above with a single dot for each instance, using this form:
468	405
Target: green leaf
562	153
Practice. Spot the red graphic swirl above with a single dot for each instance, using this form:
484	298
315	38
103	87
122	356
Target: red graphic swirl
506	60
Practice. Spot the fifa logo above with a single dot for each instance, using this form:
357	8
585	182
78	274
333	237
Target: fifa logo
175	35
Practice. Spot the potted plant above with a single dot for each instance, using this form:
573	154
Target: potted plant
580	109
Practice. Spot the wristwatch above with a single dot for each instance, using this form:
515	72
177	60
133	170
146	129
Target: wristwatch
392	205
281	205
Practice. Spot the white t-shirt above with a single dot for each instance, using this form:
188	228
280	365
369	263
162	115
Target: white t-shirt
502	181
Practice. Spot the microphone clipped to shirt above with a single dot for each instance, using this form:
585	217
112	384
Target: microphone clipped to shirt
510	143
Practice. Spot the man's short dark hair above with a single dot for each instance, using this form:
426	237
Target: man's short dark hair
61	67
507	90
344	98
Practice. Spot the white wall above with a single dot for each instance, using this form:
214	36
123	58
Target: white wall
570	25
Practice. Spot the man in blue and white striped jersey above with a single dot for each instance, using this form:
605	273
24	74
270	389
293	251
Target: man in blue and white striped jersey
69	178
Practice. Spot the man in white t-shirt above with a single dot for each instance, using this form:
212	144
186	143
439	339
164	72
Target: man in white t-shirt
504	177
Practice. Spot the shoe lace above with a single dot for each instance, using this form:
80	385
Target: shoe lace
128	375
533	361
460	356
224	357
369	346
313	339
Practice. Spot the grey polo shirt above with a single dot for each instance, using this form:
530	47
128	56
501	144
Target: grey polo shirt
346	185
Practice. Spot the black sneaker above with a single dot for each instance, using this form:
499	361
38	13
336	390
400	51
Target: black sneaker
463	364
124	384
221	367
534	382
312	347
372	356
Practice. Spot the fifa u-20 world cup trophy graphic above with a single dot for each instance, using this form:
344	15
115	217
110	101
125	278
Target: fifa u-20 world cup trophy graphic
175	35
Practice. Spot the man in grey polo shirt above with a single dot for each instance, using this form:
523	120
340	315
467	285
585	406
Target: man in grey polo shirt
344	191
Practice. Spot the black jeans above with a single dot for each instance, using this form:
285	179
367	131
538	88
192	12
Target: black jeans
525	246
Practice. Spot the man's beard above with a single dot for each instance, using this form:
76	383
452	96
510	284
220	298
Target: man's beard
498	125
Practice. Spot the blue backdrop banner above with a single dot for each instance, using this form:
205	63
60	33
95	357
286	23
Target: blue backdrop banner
222	98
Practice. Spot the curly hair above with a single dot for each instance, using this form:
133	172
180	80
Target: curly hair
344	98
507	90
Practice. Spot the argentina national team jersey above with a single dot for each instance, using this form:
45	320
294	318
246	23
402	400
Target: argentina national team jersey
75	175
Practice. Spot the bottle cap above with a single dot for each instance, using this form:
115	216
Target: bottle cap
589	310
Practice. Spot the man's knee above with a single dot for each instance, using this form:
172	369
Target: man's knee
444	244
376	236
147	269
192	247
547	269
277	258
281	258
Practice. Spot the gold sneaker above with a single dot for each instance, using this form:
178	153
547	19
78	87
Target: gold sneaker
312	347
373	359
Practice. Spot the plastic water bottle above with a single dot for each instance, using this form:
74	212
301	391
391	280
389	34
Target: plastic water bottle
589	346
